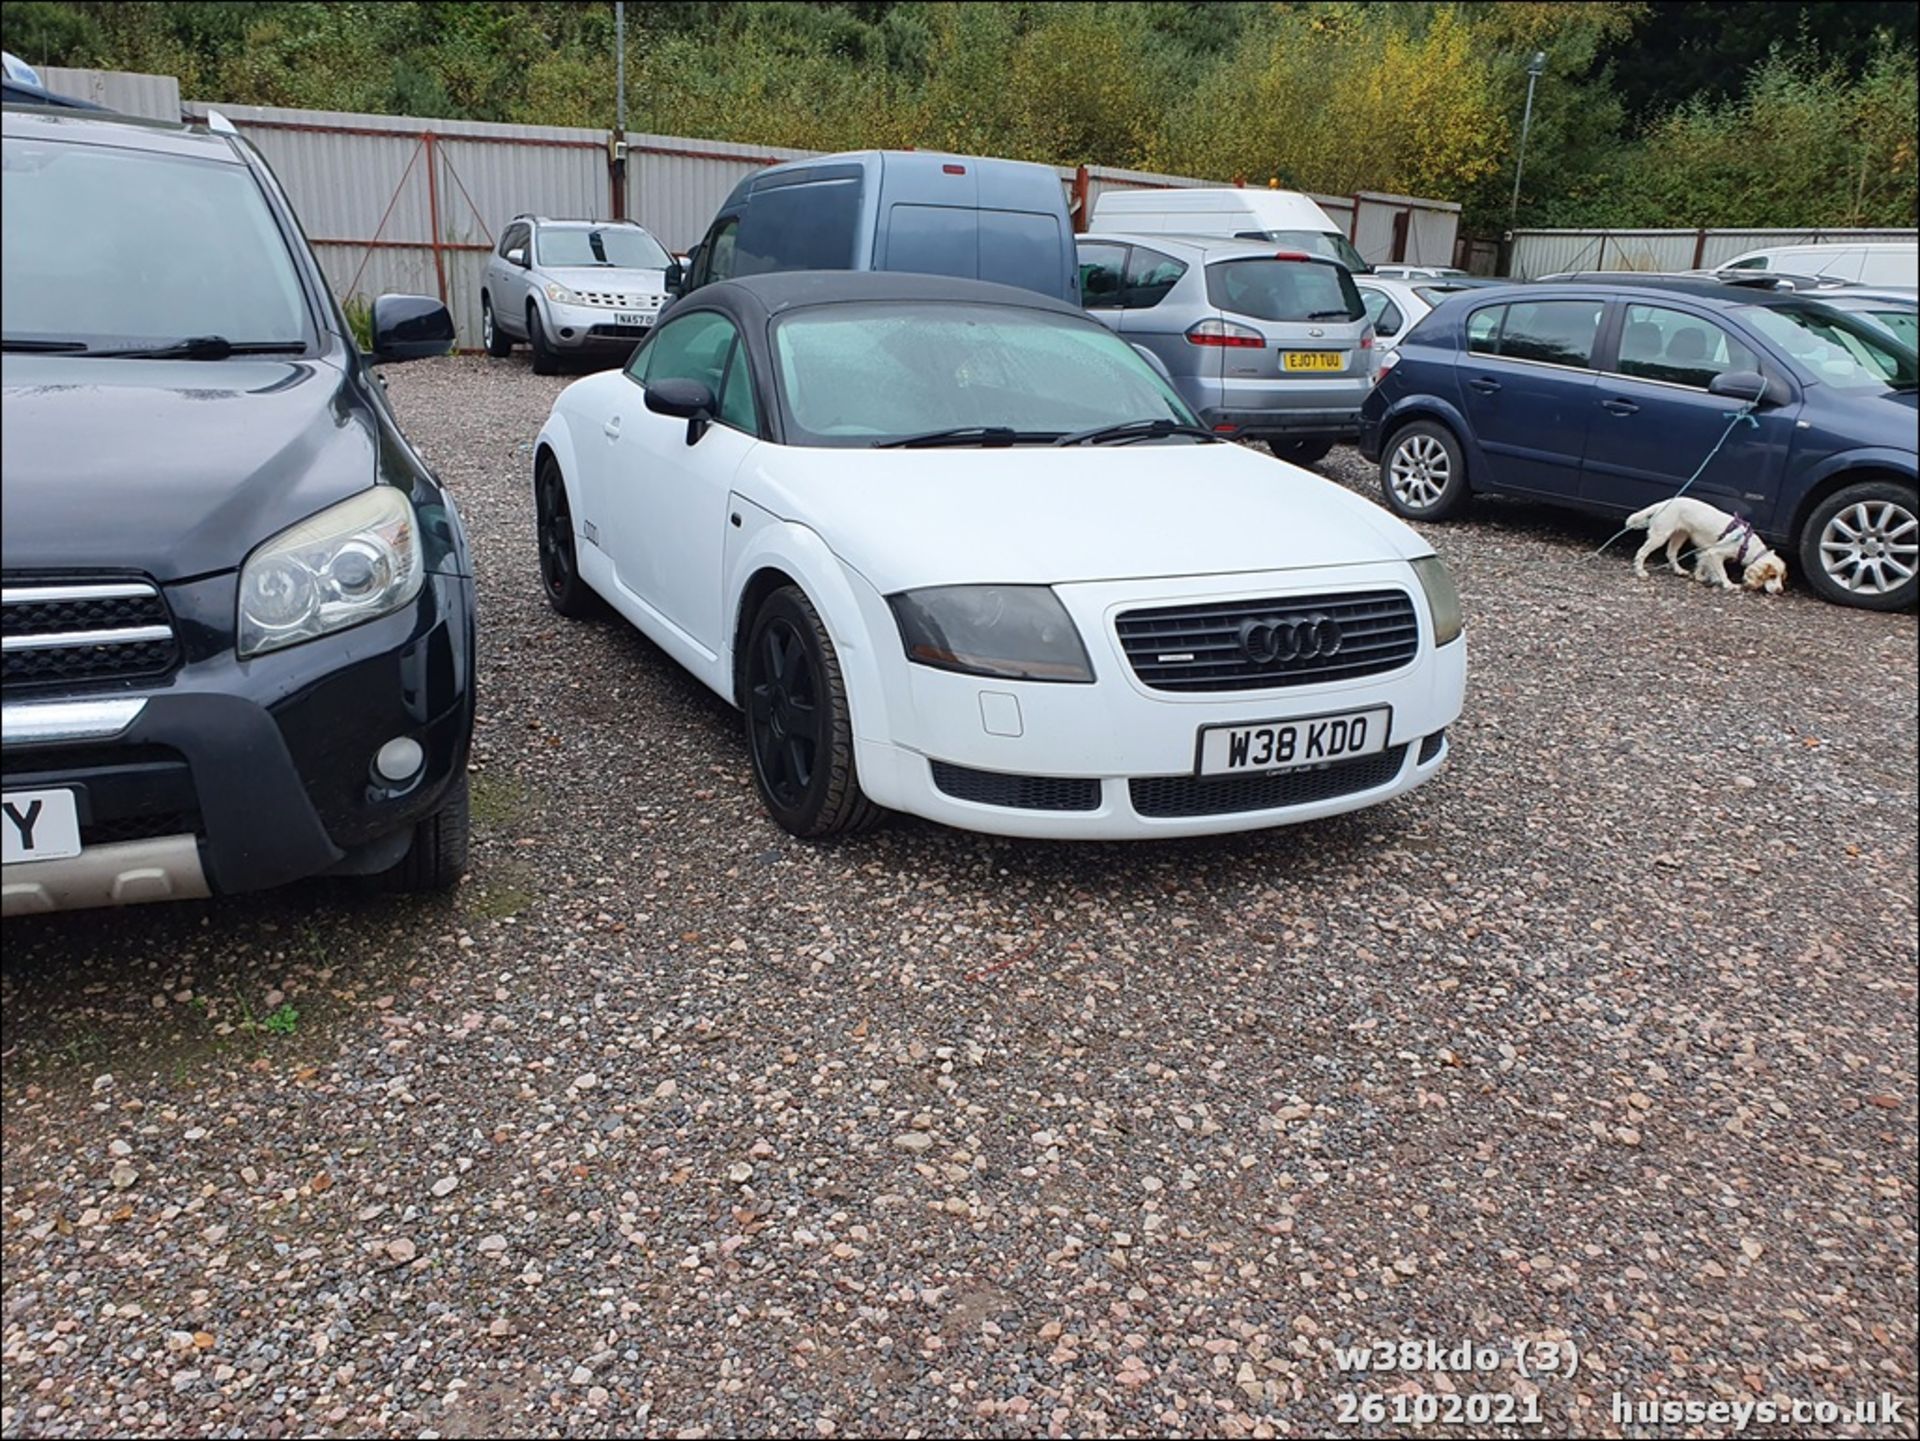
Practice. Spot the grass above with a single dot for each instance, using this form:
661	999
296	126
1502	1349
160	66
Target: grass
496	800
283	1021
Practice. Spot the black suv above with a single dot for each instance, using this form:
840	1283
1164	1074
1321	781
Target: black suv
239	618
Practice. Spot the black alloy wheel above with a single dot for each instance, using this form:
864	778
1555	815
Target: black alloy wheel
799	730
559	565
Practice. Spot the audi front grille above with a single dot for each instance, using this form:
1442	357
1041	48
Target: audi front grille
80	632
1270	644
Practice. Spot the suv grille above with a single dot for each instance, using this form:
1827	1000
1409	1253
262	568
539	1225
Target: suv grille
617	300
82	631
1162	796
1267	644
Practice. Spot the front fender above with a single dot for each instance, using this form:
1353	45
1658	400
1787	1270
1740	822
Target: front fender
848	605
556	436
1879	459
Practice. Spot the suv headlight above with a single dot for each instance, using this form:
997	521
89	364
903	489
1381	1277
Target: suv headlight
1443	597
1016	632
560	294
353	562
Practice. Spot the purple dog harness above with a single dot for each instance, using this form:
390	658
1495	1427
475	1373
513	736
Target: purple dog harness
1747	537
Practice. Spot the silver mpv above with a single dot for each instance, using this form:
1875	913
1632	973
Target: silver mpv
572	287
1267	344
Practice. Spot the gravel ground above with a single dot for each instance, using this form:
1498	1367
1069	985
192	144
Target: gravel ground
667	1123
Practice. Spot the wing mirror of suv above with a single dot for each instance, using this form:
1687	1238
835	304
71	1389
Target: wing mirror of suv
1748	385
517	256
691	400
410	327
674	280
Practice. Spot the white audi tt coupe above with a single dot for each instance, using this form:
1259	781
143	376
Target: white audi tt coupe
955	549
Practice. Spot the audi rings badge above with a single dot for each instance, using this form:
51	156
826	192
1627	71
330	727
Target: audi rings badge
1307	637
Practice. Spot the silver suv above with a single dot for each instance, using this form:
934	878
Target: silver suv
572	287
1266	344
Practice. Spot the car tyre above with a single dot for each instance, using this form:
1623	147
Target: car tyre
1858	540
799	731
438	856
560	578
1423	475
497	341
545	362
1300	452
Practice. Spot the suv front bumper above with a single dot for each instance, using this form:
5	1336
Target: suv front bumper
238	775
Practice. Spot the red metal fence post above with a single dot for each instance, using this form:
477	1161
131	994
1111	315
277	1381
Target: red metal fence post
433	214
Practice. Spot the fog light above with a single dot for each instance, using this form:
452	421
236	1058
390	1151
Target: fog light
566	332
399	759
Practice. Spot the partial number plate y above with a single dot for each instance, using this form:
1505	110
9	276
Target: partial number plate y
39	826
1292	745
1314	360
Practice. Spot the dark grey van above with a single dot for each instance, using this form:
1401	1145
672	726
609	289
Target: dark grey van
959	215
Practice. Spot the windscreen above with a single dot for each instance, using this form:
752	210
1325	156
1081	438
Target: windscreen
1269	289
868	373
107	248
619	247
1329	243
1835	348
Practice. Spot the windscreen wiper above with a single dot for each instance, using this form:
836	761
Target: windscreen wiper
205	347
1128	430
10	343
969	435
1330	315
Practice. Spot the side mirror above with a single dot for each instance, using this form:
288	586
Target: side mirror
410	327
1748	385
517	256
689	400
674	279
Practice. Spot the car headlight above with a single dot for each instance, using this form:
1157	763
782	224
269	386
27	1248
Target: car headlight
1017	632
353	562
558	292
1443	597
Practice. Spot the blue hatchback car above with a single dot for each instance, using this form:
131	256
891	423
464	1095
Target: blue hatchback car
1608	395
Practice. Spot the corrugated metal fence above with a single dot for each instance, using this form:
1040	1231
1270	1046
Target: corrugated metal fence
1552	252
398	204
156	97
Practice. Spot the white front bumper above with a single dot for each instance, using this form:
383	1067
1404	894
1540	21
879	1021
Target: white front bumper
1117	729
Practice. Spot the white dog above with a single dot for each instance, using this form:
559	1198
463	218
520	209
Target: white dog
1717	537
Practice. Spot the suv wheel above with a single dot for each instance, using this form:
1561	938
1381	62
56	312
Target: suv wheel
438	856
497	341
799	732
544	361
1861	546
1423	476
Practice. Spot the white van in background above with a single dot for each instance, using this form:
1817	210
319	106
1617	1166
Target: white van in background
1871	262
1285	217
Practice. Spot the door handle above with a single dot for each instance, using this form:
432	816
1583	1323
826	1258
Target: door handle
1485	386
611	429
1618	406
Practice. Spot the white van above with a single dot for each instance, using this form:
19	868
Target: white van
1283	216
1871	262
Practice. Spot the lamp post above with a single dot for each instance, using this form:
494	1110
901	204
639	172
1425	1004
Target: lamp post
1535	67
